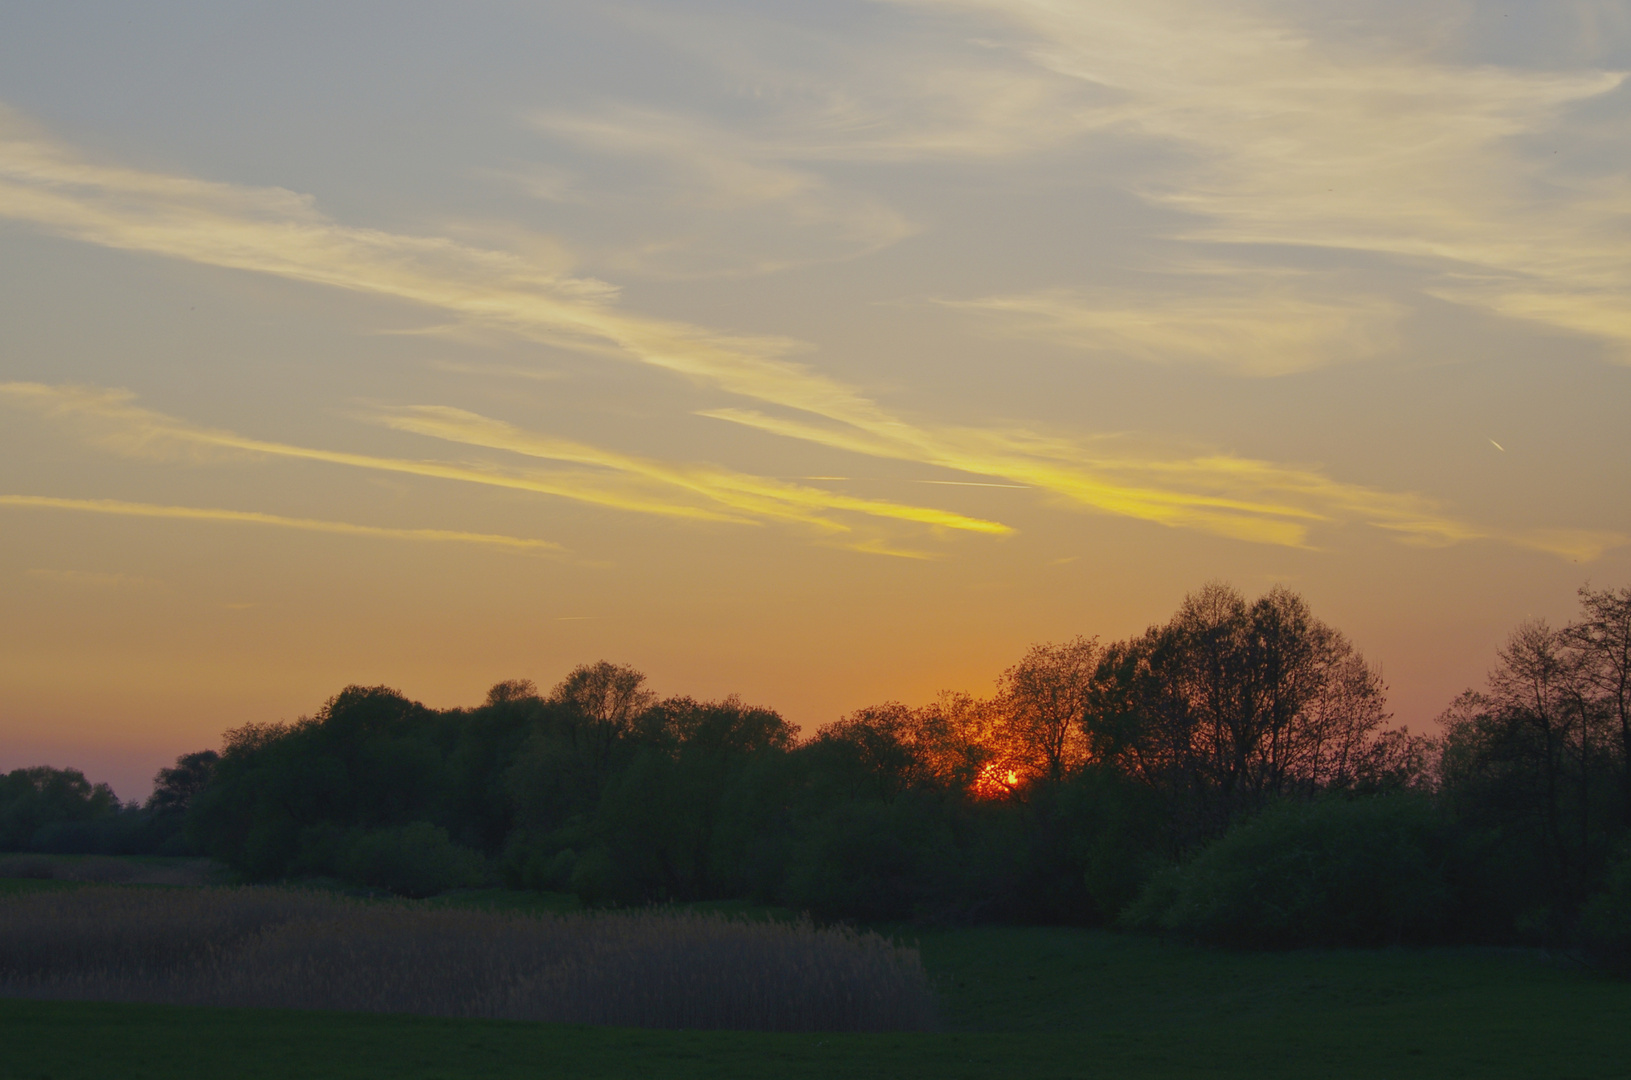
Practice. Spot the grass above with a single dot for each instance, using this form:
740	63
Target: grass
1016	1002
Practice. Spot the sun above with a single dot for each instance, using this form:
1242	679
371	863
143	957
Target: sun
994	782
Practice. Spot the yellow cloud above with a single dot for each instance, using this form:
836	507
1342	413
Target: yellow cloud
1221	494
250	517
277	232
110	418
755	495
119	425
1272	330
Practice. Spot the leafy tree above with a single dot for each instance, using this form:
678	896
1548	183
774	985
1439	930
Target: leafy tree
40	797
1043	701
1231	704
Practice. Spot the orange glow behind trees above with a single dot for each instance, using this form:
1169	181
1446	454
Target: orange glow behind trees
1228	704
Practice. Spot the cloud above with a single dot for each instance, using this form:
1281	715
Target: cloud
1280	134
756	496
277	232
251	517
1221	494
1274	331
111	419
714	201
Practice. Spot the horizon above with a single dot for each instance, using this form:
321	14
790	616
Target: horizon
820	354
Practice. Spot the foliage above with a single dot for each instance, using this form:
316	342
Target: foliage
412	860
41	806
1339	871
1054	799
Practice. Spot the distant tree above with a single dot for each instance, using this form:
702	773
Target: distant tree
40	797
1529	761
606	699
511	690
175	787
1601	640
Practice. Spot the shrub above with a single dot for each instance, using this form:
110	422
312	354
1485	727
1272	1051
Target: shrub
1371	871
274	948
875	860
414	860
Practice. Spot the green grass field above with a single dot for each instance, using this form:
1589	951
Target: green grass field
1017	1002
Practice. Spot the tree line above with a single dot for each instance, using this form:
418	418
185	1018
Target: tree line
1229	774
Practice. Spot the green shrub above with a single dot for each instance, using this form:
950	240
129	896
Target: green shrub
871	859
414	860
1372	871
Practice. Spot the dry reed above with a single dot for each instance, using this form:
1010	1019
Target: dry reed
108	869
286	949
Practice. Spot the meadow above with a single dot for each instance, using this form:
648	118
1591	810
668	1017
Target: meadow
1013	1001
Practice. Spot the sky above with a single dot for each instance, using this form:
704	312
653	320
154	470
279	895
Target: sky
825	353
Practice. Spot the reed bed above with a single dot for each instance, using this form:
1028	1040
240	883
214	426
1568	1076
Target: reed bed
110	869
275	948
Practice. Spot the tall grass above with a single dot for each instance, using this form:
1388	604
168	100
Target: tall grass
286	949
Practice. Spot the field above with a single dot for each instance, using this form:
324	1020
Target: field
1015	1002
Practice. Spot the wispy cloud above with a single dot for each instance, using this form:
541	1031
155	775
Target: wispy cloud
1271	331
1222	494
755	496
111	419
276	232
1285	138
251	517
727	203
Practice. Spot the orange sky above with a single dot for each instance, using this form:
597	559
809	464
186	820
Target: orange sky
825	355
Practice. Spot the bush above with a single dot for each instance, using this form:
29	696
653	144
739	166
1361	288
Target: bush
1372	871
1605	923
875	860
414	860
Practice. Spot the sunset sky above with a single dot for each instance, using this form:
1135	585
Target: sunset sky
821	352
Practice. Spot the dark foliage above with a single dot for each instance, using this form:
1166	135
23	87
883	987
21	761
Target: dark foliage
1243	745
1337	871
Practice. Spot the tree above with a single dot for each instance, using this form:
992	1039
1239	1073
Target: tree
606	699
1233	703
174	787
32	799
1602	640
1043	701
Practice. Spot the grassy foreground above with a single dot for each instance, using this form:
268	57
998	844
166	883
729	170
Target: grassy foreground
1033	1003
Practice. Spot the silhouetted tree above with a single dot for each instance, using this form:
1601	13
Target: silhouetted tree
1601	640
1232	703
1043	701
40	797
